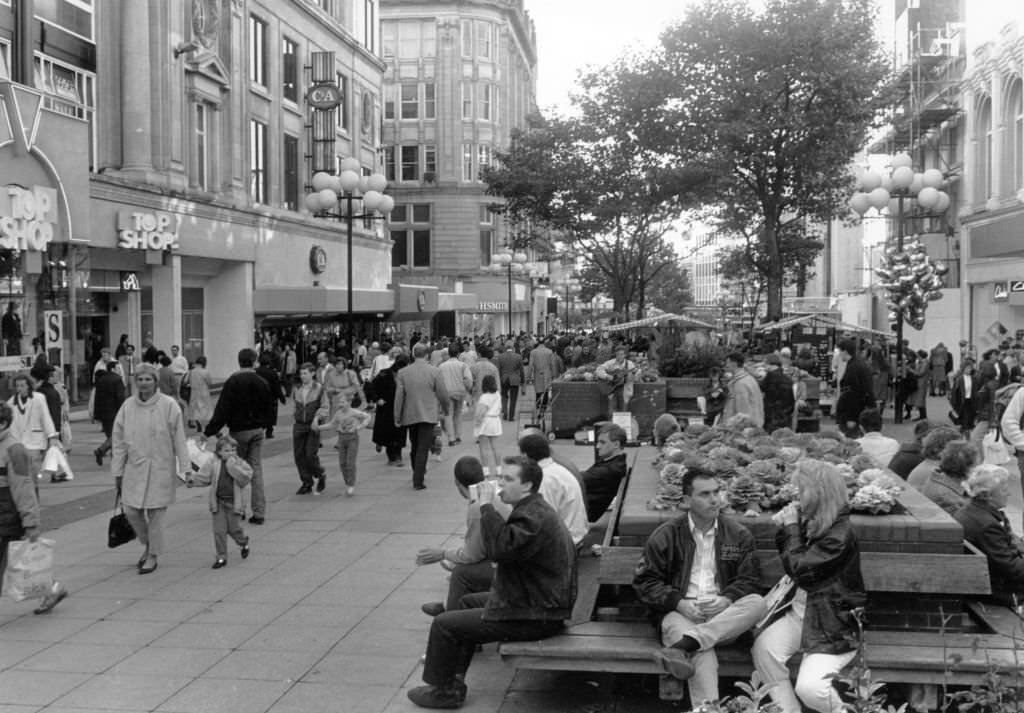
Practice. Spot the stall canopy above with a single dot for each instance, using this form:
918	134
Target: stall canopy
821	320
677	320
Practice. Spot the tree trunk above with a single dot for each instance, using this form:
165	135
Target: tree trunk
773	278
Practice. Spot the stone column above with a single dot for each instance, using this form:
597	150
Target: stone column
167	303
136	87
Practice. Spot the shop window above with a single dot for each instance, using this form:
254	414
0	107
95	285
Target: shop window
5	60
289	70
70	91
201	175
291	172
73	16
467	38
343	111
410	101
257	161
486	247
257	51
410	163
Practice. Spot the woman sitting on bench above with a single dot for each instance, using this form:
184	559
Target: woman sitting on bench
820	555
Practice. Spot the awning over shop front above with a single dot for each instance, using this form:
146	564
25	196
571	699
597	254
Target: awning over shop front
677	320
821	320
320	300
457	302
414	302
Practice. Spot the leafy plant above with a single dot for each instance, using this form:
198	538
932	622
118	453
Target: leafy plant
691	360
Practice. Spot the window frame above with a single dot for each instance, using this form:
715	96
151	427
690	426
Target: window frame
1017	132
287	42
430	159
467	100
202	132
408	101
484	37
429	100
259	30
81	106
467	163
5	57
88	8
342	113
412	150
259	159
390	167
412	234
485	95
290	171
467	41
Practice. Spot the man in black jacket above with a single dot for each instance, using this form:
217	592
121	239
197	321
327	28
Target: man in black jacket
856	389
531	594
243	408
601	480
699	576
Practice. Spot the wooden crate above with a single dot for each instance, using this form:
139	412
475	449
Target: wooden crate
575	404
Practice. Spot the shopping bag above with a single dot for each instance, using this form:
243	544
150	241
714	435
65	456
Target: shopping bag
197	454
119	530
55	463
65	436
994	450
29	573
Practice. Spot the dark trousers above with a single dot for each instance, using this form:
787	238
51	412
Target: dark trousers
250	444
108	428
509	397
394	453
305	447
421	435
468	579
455	634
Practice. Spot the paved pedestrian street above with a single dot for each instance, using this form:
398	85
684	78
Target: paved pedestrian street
323	616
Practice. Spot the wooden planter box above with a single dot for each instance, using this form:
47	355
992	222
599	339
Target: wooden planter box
685	387
650	400
575	404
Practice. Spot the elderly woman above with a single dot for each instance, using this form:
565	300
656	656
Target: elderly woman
32	424
946	486
819	552
931	449
986	527
910	454
149	442
200	403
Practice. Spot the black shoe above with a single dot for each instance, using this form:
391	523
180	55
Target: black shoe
245	550
270	435
446	697
432	608
379	449
99	457
421	486
221	562
451	443
458	440
321	483
304	490
256	519
55	596
62	478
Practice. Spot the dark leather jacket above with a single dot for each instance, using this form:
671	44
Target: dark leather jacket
536	574
987	528
663	573
828	569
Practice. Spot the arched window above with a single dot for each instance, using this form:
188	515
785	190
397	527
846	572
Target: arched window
983	161
1015	143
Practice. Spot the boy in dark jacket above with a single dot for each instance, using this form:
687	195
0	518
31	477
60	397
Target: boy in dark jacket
700	578
531	594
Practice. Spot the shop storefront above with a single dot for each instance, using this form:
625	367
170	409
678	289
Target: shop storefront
491	313
994	278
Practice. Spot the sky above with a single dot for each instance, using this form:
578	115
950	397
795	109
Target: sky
574	33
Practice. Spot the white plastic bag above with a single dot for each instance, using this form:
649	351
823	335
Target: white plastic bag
197	454
994	449
29	573
55	463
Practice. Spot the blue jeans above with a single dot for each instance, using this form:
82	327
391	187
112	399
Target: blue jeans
348	449
249	443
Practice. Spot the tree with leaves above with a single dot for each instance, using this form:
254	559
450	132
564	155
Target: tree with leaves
768	105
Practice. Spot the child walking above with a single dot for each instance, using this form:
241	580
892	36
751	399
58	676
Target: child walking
487	424
228	477
346	421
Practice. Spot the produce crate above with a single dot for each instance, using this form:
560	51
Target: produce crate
575	404
650	400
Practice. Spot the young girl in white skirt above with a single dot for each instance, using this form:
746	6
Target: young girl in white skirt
487	424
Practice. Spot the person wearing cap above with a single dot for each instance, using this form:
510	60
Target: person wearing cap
779	399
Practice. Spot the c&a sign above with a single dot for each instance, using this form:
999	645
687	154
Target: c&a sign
139	230
27	216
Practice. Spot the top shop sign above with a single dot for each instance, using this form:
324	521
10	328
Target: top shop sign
137	230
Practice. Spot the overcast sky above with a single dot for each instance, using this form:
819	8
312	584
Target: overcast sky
575	33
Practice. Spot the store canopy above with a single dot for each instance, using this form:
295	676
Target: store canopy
821	320
679	320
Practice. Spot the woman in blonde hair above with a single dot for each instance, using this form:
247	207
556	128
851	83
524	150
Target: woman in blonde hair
819	553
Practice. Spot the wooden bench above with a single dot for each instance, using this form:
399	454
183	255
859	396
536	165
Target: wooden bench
897	656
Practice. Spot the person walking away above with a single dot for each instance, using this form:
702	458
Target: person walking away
419	395
19	506
937	365
309	399
149	442
819	552
269	374
984	405
32	424
200	402
289	369
385	433
110	394
510	371
482	368
228	477
166	382
964	397
242	408
458	381
779	397
346	421
919	398
743	393
856	389
543	370
487	423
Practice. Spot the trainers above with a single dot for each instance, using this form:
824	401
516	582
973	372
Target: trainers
350	491
55	596
245	549
304	490
446	697
432	608
321	483
675	662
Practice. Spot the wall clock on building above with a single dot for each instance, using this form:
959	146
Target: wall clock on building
367	112
317	260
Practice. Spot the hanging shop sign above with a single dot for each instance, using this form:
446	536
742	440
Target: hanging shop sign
27	216
130	281
137	230
1016	285
53	328
1000	293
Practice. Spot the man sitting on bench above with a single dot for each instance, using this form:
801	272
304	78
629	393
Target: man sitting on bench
699	575
601	480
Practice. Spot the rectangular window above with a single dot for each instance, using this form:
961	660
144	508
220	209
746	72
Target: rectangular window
342	112
370	25
398	215
74	16
389	169
70	91
421	248
467	38
409	40
429	29
410	100
486	216
389	102
291	172
5	60
257	51
467	100
483	157
429	101
410	163
467	163
484	42
289	70
421	213
430	160
389	38
400	250
202	172
485	91
257	161
486	247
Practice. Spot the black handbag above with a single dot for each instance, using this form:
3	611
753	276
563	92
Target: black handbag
185	389
119	530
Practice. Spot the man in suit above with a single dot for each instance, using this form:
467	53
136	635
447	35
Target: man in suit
419	394
544	368
510	372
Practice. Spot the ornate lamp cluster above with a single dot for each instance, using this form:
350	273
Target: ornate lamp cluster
338	192
912	281
877	189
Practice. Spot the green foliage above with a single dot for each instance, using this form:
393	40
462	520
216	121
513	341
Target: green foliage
690	360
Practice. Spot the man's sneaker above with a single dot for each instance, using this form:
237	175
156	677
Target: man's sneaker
432	608
446	697
350	491
675	662
256	519
321	483
55	596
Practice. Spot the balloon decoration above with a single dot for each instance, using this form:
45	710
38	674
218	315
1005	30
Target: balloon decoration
912	281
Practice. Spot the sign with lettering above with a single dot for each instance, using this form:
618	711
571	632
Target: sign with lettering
493	306
324	97
130	282
27	217
1000	293
16	363
137	230
1016	285
53	328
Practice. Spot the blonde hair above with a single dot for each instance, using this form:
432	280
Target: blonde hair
985	478
225	441
822	495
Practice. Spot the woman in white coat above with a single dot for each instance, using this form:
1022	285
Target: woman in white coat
149	449
32	426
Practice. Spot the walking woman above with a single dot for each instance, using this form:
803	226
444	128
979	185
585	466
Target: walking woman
385	433
200	403
487	424
820	554
309	397
919	398
149	440
32	424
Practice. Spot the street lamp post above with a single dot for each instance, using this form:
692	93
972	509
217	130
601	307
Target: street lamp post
334	197
509	262
885	190
571	285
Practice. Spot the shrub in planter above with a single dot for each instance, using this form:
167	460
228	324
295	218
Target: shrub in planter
688	360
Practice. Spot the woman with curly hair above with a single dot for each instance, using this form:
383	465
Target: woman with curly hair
946	486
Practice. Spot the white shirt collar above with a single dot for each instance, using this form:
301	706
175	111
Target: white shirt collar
694	530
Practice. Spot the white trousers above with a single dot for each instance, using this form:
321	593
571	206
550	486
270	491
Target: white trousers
775	646
738	618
